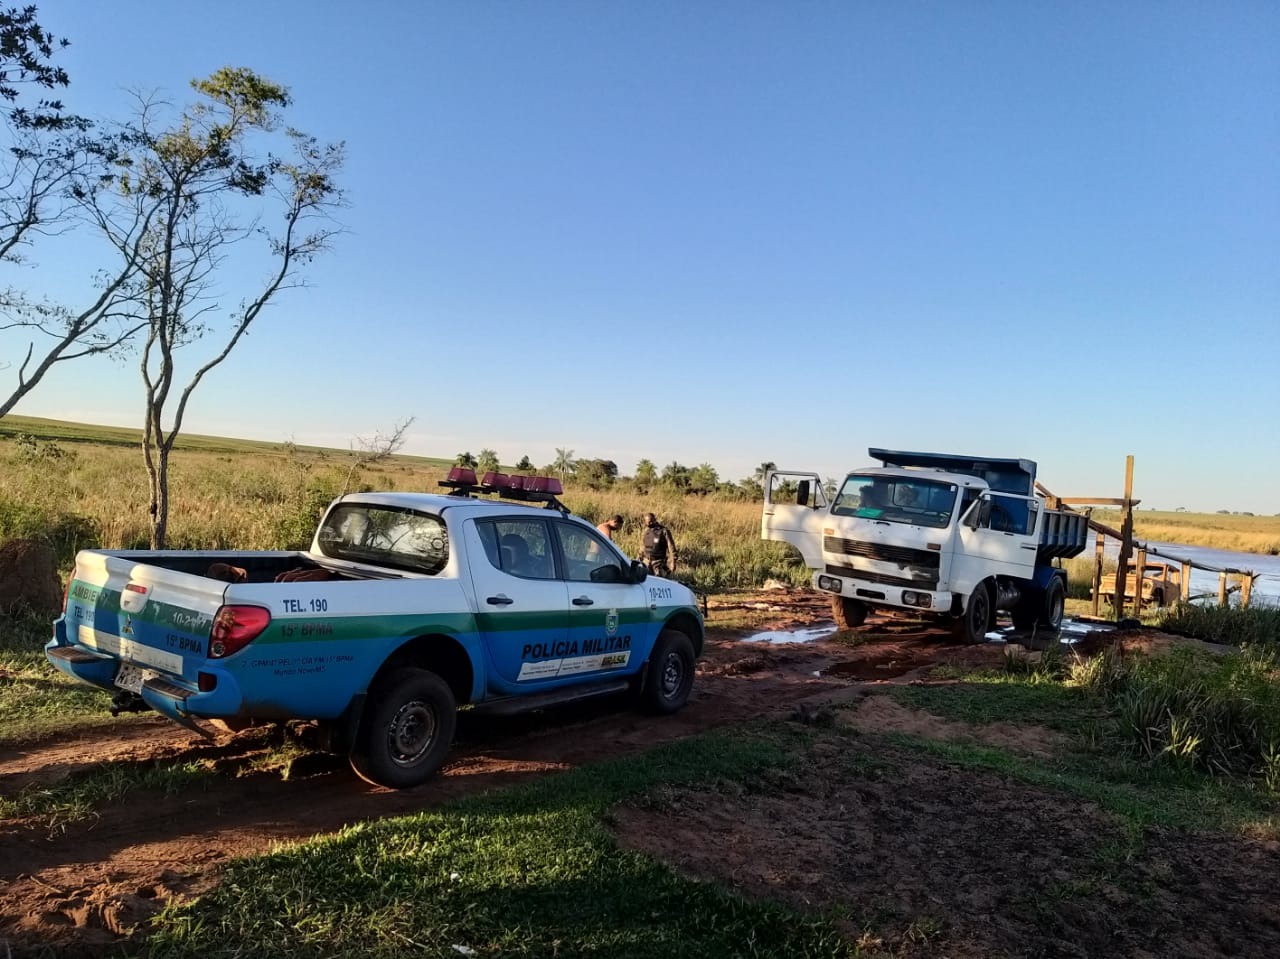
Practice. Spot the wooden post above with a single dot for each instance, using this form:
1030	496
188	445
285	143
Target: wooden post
1222	588
1139	565
1097	575
1246	589
1186	582
1126	537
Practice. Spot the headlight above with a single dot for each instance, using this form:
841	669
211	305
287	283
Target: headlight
830	583
911	598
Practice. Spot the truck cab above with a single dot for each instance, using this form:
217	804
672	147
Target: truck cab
956	537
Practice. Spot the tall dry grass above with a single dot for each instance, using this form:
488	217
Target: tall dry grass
90	494
90	489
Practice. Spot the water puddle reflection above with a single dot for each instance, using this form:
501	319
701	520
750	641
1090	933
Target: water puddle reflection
777	637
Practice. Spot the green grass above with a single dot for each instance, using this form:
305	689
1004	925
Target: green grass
531	871
35	699
1231	625
990	696
80	797
1232	702
1142	795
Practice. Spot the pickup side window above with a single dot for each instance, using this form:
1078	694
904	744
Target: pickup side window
520	547
385	536
587	558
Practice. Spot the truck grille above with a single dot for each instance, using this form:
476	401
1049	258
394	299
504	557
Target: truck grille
890	554
867	576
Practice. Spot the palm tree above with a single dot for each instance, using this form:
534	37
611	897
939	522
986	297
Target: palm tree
564	462
763	470
465	459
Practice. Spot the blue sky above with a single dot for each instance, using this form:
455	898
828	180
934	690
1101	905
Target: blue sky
736	232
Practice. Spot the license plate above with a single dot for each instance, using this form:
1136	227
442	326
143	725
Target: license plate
130	677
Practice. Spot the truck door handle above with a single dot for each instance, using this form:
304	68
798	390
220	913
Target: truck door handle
583	601
499	600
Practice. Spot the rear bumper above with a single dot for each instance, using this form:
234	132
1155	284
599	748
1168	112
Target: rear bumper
167	694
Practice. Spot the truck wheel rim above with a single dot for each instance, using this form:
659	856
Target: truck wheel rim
412	730
672	674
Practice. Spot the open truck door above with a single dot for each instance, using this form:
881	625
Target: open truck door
795	509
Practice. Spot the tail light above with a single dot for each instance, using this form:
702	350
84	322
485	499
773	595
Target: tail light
235	627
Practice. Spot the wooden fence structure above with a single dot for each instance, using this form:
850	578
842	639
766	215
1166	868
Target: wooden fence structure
1139	552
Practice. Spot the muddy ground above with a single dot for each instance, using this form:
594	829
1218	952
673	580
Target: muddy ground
80	888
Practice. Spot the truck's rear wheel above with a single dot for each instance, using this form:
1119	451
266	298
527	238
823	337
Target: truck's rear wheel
973	624
848	613
668	678
1055	604
406	730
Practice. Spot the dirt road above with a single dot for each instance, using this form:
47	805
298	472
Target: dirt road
77	889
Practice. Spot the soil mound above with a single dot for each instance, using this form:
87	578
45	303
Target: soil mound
29	578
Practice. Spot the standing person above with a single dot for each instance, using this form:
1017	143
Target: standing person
659	548
610	526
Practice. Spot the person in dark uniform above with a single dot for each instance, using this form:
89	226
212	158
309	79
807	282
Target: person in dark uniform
659	549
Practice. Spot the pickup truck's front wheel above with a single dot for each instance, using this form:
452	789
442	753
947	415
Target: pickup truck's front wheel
669	676
407	727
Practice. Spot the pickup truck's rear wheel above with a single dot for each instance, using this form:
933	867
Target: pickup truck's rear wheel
407	727
668	678
973	624
848	613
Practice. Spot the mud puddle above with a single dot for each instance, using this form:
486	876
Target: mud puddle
780	637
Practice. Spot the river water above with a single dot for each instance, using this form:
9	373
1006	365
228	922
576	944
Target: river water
1266	585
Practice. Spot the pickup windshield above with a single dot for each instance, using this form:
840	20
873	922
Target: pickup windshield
895	499
385	536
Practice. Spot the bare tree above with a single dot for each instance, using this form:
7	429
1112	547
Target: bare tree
186	192
53	160
375	449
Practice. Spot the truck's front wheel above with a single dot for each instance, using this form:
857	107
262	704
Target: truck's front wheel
406	730
974	622
848	613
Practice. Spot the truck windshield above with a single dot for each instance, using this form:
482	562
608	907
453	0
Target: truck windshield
895	499
385	536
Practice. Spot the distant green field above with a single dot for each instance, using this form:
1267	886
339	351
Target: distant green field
62	431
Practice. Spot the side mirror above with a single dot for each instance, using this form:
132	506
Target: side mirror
639	572
802	493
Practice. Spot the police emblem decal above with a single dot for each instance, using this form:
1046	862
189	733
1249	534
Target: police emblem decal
611	623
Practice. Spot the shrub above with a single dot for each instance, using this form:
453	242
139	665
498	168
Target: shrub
1215	714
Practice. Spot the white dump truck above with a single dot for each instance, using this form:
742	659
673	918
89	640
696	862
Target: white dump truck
933	534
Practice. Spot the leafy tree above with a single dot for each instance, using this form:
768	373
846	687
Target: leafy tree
26	59
750	488
487	461
525	465
703	479
465	460
564	463
596	473
186	193
646	475
675	476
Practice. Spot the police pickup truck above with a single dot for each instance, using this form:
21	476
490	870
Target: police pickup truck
406	606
